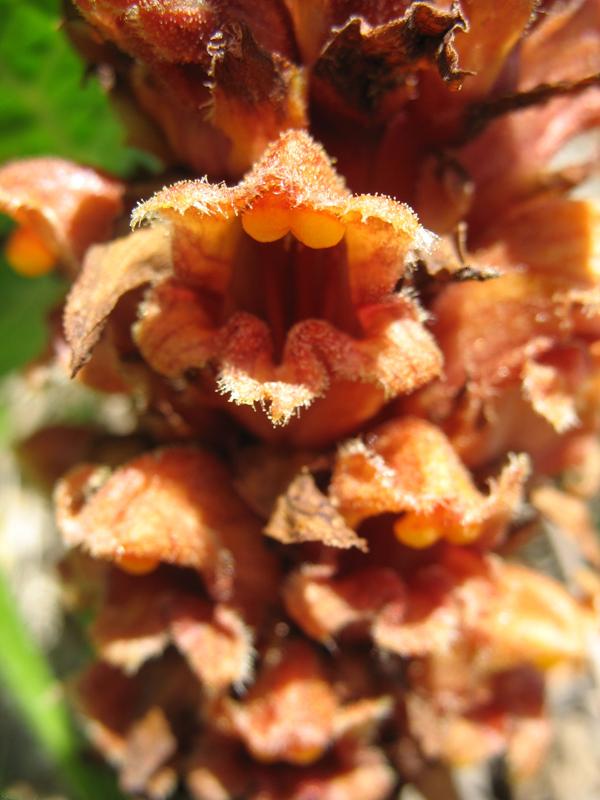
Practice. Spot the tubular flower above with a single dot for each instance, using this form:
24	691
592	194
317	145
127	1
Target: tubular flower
304	575
283	286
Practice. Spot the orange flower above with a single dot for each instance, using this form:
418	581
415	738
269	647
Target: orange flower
284	285
63	207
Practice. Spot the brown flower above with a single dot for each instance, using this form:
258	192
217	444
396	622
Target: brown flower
284	285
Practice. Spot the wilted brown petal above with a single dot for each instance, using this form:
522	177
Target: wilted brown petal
364	65
68	206
325	605
143	614
175	506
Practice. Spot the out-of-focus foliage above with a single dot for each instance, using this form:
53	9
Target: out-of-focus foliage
23	306
47	106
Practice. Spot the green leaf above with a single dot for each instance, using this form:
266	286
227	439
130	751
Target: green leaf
25	672
47	105
24	304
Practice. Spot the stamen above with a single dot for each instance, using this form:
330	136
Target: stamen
137	565
416	530
266	223
316	229
28	254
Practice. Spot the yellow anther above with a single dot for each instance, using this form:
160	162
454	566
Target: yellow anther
462	534
316	229
28	254
415	530
266	223
137	565
305	755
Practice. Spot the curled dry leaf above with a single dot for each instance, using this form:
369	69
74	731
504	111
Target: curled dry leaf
68	206
303	513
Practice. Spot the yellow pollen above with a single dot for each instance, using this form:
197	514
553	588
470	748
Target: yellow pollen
137	565
27	254
415	530
266	223
316	229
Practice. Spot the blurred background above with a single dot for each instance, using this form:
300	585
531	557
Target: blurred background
48	105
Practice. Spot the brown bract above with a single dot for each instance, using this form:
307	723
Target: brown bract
553	98
493	615
409	468
496	615
174	506
326	606
303	513
68	206
216	78
373	70
109	272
